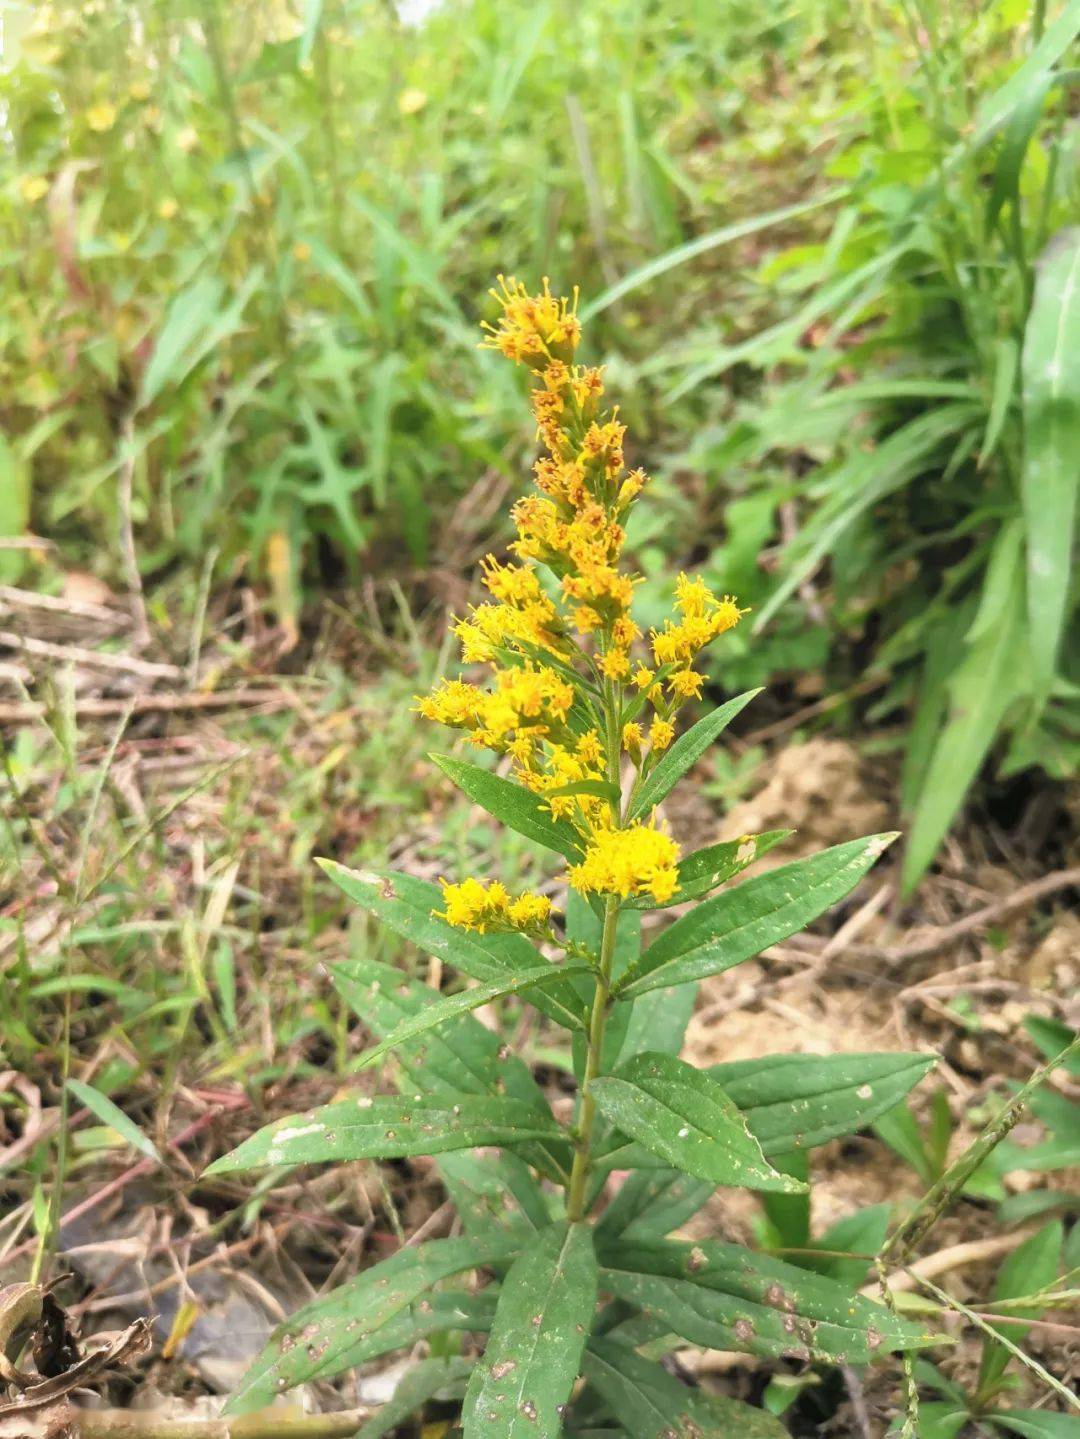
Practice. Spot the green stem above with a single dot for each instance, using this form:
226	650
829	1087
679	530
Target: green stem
579	1174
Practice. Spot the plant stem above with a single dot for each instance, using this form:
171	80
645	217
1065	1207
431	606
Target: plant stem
575	1194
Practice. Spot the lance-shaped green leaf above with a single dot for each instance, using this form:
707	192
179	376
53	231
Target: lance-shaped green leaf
546	1304
1037	1423
722	1296
512	804
366	1128
736	925
650	1403
406	905
451	1006
1027	1271
443	1377
1051	475
494	1187
461	1057
682	1115
686	751
443	1311
323	1335
708	868
651	1203
798	1101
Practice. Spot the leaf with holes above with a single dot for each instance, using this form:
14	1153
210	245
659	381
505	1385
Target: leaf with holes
366	1128
736	925
406	906
724	1297
650	1403
713	866
521	1386
684	1117
327	1336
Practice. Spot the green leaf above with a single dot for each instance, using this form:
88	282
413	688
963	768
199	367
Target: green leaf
707	868
325	1336
740	923
682	1115
1051	474
798	1101
451	1006
650	1403
406	906
366	1128
981	688
1027	1270
651	1203
997	109
418	1385
461	1057
494	1187
722	1296
1038	1424
686	751
645	274
942	1420
104	1109
513	804
545	1311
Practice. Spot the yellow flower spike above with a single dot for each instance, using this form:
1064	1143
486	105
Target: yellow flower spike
558	727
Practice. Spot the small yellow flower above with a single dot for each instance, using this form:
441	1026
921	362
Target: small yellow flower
168	208
631	740
33	187
638	860
301	251
101	117
473	905
411	101
187	139
139	90
661	734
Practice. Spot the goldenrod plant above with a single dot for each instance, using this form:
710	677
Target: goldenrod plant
584	1289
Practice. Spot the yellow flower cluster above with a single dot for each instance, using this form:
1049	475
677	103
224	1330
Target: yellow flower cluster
568	702
472	905
637	860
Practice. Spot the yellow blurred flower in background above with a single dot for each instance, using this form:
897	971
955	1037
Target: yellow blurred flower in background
33	187
101	117
411	101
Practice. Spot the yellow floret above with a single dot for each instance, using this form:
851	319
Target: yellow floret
638	860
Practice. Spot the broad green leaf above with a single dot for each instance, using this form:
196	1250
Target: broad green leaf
188	317
787	1215
418	1385
315	1339
650	1403
798	1101
656	1020
1051	474
981	688
736	925
545	1311
367	1128
686	751
1028	1269
708	868
722	1296
494	1187
513	804
1038	1424
451	1006
683	1116
102	1107
461	1057
406	906
942	1420
650	1203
